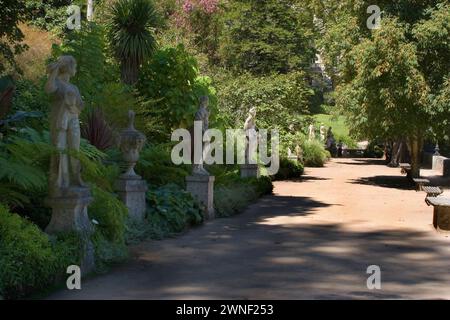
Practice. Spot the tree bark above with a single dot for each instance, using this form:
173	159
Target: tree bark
415	147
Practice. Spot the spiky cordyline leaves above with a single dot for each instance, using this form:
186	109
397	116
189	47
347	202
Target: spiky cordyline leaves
131	33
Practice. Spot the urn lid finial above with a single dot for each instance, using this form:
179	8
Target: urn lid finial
131	116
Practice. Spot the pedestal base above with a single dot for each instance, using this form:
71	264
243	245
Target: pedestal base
69	213
132	193
202	188
249	171
441	218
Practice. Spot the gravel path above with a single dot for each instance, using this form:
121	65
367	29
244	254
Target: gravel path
312	239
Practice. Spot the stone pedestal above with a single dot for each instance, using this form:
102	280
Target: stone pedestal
441	218
69	213
249	171
202	188
132	193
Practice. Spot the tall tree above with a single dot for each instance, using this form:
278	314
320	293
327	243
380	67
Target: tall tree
267	36
131	35
388	95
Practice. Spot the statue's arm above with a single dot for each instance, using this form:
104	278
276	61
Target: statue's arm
52	86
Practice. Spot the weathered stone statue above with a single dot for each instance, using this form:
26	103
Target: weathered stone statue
130	186
251	133
249	169
200	184
65	171
202	115
68	195
312	132
323	133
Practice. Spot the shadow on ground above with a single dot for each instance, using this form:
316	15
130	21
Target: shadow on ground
273	251
395	182
362	162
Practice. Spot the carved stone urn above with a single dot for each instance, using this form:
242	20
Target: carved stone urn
131	142
130	187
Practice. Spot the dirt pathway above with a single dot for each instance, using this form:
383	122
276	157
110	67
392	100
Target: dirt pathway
312	239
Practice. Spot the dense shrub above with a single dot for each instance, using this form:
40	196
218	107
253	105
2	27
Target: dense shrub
277	98
373	151
171	86
232	198
29	260
170	210
314	154
289	169
156	167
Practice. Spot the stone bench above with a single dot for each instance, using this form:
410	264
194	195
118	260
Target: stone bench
420	183
441	213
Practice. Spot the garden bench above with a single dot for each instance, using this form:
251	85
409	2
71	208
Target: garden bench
441	213
420	183
432	191
405	168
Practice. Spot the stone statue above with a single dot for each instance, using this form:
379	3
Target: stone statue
299	153
65	170
202	115
68	196
323	132
250	130
312	132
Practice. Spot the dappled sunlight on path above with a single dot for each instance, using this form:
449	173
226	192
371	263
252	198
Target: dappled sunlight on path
314	238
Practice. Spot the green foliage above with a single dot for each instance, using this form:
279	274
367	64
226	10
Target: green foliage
131	35
432	36
267	36
29	260
50	15
387	96
156	167
170	210
11	15
171	87
30	97
233	197
289	169
110	213
373	151
278	99
88	46
314	154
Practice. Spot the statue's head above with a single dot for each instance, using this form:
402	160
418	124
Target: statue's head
204	100
66	65
252	112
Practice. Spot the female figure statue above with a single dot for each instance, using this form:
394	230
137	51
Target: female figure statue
65	170
202	115
251	134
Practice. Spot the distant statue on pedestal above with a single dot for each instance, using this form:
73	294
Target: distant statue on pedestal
323	132
202	115
251	132
312	132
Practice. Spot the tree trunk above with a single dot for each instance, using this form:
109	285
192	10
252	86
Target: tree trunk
129	72
90	10
415	146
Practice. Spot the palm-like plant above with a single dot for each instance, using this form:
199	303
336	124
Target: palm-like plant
131	35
